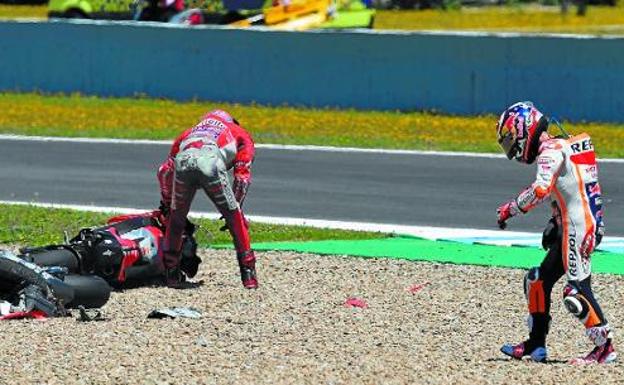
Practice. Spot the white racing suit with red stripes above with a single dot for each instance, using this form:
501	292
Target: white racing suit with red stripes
200	159
567	173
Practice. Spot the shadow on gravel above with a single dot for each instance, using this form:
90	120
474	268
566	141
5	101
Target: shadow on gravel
503	359
157	282
188	285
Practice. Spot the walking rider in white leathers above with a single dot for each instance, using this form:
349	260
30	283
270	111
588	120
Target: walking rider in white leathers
567	173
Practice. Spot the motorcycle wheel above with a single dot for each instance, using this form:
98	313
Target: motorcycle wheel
90	291
57	257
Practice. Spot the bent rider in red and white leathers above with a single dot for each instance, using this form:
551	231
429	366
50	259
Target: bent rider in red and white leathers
200	159
568	174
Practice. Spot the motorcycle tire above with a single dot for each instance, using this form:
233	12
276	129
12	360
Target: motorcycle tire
57	257
90	291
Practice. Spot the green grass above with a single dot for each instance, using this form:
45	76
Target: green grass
35	226
141	118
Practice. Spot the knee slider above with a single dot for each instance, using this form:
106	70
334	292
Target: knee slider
534	291
578	305
572	300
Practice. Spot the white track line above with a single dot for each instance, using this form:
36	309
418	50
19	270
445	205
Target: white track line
420	231
492	237
288	147
28	138
25	138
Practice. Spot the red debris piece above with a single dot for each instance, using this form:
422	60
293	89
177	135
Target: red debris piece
36	314
355	302
415	288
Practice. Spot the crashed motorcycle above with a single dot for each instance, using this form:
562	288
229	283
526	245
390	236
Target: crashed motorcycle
29	290
126	252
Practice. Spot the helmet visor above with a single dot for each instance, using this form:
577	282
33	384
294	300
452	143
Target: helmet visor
508	144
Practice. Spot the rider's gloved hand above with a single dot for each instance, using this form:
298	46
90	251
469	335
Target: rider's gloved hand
189	228
164	208
163	213
506	211
242	181
245	222
240	187
600	232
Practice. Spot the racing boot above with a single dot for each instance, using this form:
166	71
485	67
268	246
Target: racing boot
247	265
174	278
189	261
604	352
524	349
535	346
190	265
172	270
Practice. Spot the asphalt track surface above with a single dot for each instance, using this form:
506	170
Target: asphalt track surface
406	189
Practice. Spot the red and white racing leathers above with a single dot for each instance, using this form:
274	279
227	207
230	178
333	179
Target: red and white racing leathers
200	158
567	172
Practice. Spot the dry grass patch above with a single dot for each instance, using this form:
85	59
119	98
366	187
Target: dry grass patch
23	11
599	20
83	116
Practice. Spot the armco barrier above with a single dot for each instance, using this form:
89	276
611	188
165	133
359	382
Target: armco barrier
575	77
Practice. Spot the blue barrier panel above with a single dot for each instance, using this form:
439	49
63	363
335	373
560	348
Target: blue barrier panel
579	78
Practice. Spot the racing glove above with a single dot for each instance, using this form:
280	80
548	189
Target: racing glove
245	222
242	181
506	211
165	180
162	214
241	185
600	232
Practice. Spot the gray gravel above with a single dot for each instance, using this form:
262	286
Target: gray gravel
295	329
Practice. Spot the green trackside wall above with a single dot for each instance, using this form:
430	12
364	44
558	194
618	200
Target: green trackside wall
579	78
